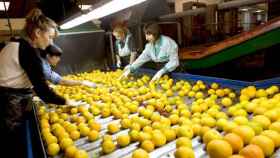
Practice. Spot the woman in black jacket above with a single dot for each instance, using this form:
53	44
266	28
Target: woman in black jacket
20	73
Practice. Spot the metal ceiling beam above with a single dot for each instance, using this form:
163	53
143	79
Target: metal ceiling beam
184	13
221	6
239	3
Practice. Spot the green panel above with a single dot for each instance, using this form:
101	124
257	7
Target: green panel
260	42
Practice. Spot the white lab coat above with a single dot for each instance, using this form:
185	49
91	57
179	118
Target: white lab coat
125	51
165	49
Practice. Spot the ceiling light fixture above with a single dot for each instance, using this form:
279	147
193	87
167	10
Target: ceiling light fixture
85	6
259	11
106	9
2	8
244	9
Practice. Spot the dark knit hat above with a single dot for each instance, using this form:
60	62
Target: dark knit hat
52	50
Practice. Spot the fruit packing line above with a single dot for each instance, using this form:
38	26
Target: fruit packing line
234	85
162	152
166	151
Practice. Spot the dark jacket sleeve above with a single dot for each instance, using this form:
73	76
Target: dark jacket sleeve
32	64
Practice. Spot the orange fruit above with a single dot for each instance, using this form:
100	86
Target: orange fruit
226	102
50	139
93	135
252	151
265	143
241	120
272	115
158	139
219	149
107	137
108	146
53	149
81	154
263	120
144	136
134	135
208	121
203	130
74	135
123	140
140	153
214	85
211	135
196	129
70	151
229	126
113	128
235	141
147	145
273	135
245	132
185	131
184	141
236	156
184	152
125	123
66	142
275	126
95	126
170	134
221	123
257	127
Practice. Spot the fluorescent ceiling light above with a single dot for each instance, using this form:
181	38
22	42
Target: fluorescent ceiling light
244	9
85	7
2	8
106	9
259	11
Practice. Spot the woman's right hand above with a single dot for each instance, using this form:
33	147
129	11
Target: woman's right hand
73	103
125	74
119	63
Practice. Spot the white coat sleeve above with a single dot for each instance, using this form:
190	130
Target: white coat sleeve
142	59
173	62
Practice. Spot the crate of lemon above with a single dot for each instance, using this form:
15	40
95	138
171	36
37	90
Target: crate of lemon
182	119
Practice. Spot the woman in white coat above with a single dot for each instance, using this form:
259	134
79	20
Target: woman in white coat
125	46
159	49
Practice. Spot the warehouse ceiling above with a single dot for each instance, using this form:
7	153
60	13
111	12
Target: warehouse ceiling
19	8
54	9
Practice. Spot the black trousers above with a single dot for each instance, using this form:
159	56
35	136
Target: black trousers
13	105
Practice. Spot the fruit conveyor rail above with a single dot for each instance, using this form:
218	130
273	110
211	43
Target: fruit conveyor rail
94	148
166	151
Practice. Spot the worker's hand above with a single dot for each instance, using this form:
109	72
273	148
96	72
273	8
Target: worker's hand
36	99
119	63
126	67
73	103
157	75
125	74
52	86
89	84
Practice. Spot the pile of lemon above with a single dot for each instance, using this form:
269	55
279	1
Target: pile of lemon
156	113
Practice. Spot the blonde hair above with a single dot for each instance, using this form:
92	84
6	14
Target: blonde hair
35	19
120	30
